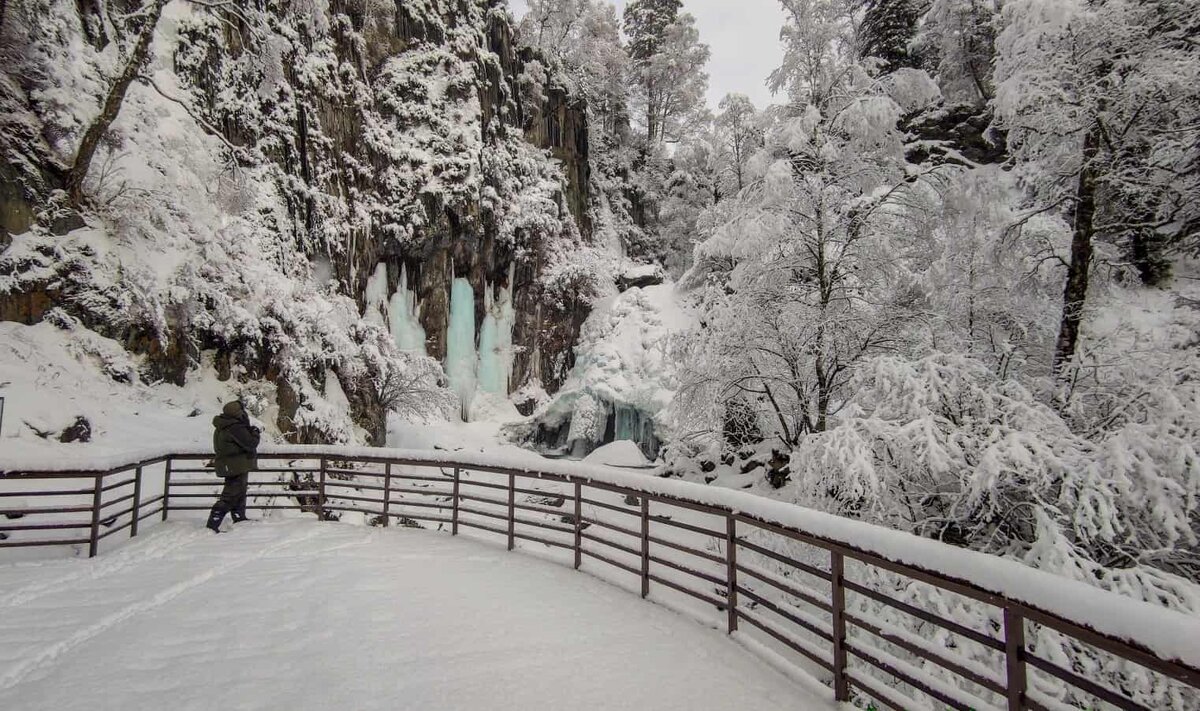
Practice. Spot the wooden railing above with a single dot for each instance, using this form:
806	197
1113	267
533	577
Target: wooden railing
870	626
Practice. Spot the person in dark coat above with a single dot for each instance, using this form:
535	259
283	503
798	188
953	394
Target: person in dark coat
235	444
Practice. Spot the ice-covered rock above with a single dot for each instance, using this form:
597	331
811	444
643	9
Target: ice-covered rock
623	379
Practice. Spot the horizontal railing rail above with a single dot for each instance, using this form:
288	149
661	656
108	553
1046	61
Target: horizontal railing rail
884	618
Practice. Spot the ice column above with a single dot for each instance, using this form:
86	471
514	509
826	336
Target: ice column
460	343
402	313
377	296
495	340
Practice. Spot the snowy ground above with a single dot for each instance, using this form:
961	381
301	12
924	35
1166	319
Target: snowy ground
303	615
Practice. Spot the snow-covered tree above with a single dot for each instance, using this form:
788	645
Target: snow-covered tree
668	76
812	241
739	131
957	39
887	31
585	36
984	286
943	447
1100	101
646	23
699	179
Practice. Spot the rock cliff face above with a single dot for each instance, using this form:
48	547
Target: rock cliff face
446	188
364	142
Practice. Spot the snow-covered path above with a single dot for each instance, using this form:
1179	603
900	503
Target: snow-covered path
304	615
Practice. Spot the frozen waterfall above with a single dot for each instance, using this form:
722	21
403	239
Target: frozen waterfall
496	341
472	364
460	343
403	318
581	422
376	296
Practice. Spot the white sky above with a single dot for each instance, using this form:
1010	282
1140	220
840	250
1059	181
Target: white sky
744	37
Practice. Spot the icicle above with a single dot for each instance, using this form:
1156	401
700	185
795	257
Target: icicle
460	343
635	425
405	321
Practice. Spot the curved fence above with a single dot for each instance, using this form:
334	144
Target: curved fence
883	618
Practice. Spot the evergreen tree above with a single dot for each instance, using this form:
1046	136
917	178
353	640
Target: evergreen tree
668	77
646	23
887	31
959	39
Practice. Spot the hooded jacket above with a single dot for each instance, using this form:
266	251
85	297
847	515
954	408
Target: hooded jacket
235	441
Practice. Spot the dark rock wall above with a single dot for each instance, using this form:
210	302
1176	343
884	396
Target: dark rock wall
452	235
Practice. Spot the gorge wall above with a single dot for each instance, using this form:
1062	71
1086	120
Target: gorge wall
282	159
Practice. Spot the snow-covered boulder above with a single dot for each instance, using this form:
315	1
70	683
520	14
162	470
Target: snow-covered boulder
640	276
622	453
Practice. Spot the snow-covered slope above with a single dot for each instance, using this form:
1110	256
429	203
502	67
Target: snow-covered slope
73	384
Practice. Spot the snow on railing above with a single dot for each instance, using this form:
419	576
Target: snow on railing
784	570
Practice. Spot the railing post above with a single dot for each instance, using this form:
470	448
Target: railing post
512	511
578	525
94	540
137	498
387	491
321	493
731	584
454	504
1014	653
166	505
645	545
841	682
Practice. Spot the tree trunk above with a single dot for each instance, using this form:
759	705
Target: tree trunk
3	8
112	103
1148	251
1075	293
825	296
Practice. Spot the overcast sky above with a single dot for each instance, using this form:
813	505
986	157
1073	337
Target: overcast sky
744	37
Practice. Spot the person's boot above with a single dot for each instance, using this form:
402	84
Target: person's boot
238	516
215	517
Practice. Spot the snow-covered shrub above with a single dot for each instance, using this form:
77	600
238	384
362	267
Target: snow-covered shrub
944	448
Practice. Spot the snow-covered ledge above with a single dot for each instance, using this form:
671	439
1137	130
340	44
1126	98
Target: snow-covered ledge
1166	634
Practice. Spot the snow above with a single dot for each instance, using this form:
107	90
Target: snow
50	376
1166	633
306	615
479	435
622	453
